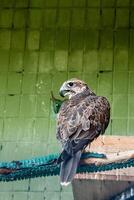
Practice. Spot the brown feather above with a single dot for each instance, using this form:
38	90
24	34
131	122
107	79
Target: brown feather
88	114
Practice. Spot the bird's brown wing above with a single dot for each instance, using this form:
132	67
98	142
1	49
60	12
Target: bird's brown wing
79	124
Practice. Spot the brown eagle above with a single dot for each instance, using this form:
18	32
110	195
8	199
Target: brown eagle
81	119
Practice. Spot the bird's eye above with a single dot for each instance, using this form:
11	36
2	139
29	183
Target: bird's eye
70	84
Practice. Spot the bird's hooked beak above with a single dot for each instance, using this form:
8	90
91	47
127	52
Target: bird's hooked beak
63	90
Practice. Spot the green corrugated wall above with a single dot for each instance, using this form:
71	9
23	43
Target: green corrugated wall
42	43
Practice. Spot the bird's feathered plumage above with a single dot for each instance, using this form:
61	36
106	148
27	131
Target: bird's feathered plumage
80	120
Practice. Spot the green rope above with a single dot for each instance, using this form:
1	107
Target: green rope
46	166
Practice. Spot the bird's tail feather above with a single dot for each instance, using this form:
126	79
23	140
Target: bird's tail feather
68	168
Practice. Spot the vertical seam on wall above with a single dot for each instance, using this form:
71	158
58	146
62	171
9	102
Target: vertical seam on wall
114	50
69	40
35	96
84	39
56	29
128	73
99	41
111	131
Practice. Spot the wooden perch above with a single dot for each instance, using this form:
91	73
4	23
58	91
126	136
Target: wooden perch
110	158
117	149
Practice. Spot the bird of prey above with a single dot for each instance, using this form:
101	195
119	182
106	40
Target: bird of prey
81	119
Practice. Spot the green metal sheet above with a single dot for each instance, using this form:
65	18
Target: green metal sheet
19	19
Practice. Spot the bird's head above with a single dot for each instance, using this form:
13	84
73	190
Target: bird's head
73	87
